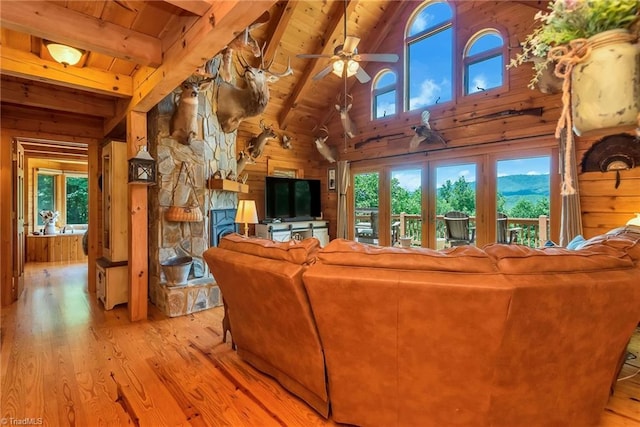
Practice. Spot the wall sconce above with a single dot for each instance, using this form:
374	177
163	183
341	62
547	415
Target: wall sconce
65	55
246	214
142	168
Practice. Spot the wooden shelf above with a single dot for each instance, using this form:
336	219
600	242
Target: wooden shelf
227	185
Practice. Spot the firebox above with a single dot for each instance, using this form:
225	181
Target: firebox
222	223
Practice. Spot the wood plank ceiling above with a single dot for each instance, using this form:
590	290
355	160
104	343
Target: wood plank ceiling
138	52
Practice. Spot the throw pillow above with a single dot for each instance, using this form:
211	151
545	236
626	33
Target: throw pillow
576	243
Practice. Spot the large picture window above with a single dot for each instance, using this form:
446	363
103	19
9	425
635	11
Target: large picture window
64	191
77	199
429	56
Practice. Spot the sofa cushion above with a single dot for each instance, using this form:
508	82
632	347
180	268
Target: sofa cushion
464	259
296	252
519	259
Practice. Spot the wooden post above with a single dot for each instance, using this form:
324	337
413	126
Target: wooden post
138	225
6	233
542	230
93	159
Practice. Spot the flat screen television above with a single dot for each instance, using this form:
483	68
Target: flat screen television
291	199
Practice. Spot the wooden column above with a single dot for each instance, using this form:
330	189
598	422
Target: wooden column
93	154
138	225
6	234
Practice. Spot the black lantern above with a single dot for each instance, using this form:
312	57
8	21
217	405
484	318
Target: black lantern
142	168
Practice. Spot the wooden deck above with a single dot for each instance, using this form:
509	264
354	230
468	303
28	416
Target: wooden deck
66	361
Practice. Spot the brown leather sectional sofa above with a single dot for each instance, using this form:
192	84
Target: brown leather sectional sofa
500	336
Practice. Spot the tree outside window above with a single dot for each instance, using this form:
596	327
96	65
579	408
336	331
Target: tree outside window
77	200
484	62
46	195
429	45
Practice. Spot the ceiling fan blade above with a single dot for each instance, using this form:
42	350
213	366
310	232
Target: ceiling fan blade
326	70
312	55
362	76
378	57
350	44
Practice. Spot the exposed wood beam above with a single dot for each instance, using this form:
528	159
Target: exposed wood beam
52	22
279	26
28	66
40	151
333	32
378	36
55	99
63	125
197	7
206	38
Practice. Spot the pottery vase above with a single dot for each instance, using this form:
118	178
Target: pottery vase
605	87
50	228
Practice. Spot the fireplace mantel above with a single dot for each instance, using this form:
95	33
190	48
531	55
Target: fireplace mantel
227	185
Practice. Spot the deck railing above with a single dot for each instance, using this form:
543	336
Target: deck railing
533	231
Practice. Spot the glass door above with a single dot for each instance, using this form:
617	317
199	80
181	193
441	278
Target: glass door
366	196
455	204
406	207
523	192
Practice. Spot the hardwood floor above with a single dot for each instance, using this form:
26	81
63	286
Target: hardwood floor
66	361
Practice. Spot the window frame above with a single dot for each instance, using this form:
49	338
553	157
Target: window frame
485	55
60	194
376	92
428	32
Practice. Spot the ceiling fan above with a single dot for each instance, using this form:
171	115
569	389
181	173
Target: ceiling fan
345	58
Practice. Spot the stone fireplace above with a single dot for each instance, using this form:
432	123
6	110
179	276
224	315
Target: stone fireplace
209	152
222	223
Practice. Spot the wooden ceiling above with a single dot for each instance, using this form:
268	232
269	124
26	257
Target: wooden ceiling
138	52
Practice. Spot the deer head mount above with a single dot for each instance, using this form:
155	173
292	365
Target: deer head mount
244	40
257	143
324	149
237	103
184	122
343	108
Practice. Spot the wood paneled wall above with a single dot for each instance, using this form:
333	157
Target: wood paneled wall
460	121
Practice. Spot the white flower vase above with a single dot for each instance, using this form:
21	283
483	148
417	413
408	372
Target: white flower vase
605	87
50	228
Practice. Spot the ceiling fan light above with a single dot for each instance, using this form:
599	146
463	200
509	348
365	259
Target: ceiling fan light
352	68
65	55
338	68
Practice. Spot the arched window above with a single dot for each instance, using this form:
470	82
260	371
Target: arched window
384	94
483	62
429	56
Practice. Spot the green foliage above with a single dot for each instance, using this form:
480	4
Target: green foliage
569	20
46	194
457	196
77	200
525	209
366	190
405	201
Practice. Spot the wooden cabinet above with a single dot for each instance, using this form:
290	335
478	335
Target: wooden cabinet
111	282
115	220
285	231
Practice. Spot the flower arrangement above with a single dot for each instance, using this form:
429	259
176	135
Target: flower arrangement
49	217
569	20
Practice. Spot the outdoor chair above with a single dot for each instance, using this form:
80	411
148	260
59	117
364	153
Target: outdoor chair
370	235
458	232
505	234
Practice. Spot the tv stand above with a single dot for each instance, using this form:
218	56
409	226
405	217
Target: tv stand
298	230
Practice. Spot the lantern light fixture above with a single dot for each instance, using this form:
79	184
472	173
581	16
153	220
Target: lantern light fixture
65	55
142	168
